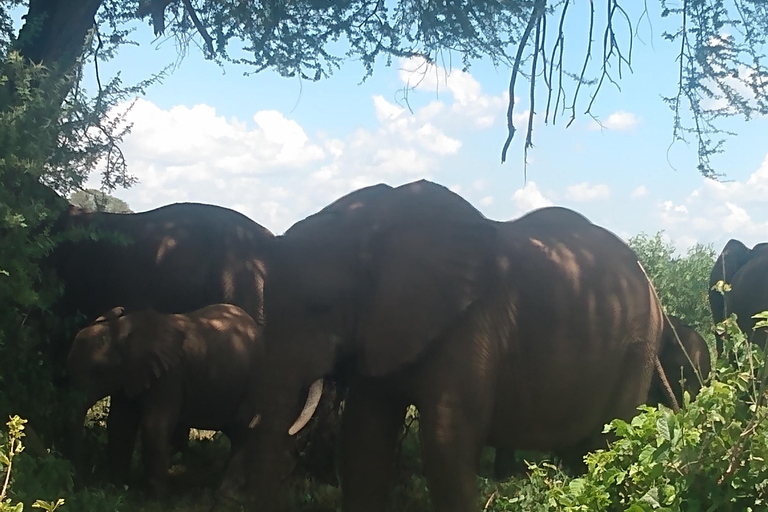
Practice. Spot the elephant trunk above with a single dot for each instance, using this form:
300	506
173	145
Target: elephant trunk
255	471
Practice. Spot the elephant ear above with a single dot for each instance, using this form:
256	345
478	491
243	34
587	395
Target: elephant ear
153	346
424	277
111	315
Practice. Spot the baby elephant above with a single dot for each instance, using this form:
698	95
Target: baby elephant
166	373
676	364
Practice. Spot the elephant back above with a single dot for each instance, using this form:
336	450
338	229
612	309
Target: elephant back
173	259
556	258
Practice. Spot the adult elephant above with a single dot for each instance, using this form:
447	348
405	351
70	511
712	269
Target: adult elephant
529	334
173	259
746	270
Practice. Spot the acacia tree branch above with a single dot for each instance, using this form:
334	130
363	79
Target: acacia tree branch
199	26
586	61
536	14
560	88
558	43
531	111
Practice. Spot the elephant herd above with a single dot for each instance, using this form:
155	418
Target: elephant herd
522	335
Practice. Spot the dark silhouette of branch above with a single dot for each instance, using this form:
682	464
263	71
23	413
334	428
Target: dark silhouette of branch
586	61
536	14
200	28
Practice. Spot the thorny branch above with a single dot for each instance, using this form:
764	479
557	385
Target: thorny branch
200	28
536	15
612	50
721	72
587	57
721	47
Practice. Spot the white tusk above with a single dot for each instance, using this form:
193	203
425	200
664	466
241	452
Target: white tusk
313	399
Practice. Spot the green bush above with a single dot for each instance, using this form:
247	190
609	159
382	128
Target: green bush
11	449
682	281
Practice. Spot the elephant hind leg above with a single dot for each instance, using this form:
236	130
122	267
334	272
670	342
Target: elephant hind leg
370	426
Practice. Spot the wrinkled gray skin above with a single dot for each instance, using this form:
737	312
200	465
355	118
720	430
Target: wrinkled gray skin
528	334
166	373
746	270
675	364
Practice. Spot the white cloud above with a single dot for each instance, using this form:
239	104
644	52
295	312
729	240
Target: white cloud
737	218
673	213
717	211
470	104
269	168
620	121
529	198
639	191
586	192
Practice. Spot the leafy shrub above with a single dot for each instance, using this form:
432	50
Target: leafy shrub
10	451
682	281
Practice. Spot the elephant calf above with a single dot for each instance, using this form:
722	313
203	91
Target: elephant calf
165	373
676	363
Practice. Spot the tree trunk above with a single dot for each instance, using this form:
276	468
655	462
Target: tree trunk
54	31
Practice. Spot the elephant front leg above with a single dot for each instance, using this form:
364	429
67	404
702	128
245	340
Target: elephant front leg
122	427
159	421
451	444
369	429
156	432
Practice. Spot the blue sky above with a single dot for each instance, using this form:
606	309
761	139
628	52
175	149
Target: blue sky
279	149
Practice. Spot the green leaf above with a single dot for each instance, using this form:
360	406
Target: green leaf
662	429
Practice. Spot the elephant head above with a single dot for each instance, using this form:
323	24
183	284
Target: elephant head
342	291
732	259
123	353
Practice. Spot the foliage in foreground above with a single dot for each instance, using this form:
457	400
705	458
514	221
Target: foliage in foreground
10	448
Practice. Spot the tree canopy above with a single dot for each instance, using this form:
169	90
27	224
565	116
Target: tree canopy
719	45
98	201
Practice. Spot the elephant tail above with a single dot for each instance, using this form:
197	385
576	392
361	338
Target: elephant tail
665	386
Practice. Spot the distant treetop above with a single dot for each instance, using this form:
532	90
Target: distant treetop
98	201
